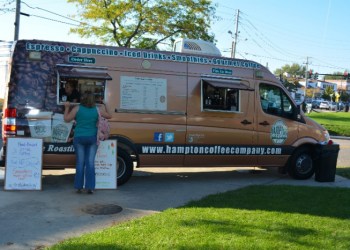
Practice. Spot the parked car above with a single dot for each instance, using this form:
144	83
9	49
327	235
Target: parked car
341	106
333	106
324	105
307	107
316	104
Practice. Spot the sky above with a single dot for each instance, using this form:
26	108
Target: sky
271	32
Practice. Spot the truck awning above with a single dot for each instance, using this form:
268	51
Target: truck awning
232	84
83	73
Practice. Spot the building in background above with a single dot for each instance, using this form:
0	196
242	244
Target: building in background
5	50
342	85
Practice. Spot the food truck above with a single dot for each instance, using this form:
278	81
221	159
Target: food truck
186	107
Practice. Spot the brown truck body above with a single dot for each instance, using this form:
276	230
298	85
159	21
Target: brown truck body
168	108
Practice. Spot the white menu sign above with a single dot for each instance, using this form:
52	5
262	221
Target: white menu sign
23	164
106	165
143	93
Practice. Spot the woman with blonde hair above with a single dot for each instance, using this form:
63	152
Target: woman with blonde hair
85	139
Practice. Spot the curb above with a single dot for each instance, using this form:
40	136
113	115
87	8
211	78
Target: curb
340	137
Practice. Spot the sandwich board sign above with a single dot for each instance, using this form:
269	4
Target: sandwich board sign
106	165
23	165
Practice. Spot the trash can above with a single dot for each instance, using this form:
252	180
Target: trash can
326	163
347	107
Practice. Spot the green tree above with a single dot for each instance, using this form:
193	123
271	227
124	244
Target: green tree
289	85
328	94
294	70
344	96
335	76
144	23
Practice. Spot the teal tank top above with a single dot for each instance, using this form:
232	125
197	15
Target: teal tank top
86	121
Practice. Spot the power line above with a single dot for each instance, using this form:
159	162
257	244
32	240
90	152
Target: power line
56	14
327	65
252	38
263	43
267	57
54	20
266	40
51	12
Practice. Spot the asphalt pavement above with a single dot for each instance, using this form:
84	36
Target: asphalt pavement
34	219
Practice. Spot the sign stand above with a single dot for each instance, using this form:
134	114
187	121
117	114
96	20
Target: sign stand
106	165
23	166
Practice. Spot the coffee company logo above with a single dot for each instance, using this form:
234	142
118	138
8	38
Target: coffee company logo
60	133
279	132
40	128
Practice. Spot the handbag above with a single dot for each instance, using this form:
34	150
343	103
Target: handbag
103	129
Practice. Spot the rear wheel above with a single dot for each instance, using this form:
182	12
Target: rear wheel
125	167
301	165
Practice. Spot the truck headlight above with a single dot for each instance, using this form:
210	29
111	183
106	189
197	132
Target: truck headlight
326	137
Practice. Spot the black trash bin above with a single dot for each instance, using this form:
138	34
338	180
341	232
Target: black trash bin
326	163
347	107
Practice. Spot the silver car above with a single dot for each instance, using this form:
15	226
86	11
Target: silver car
324	105
332	106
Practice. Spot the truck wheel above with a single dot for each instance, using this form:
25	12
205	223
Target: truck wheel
125	167
301	165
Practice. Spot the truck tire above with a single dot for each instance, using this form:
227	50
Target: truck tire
125	167
301	165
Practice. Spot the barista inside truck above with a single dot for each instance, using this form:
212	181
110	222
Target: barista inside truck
70	93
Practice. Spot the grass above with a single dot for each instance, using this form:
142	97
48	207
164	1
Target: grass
256	217
343	171
337	123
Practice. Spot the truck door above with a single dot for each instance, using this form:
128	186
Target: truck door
277	128
220	122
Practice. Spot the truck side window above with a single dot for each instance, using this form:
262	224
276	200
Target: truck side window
72	82
274	101
219	98
71	89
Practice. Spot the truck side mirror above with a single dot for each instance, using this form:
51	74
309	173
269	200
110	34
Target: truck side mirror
297	114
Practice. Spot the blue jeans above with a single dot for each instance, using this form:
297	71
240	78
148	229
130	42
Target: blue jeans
85	151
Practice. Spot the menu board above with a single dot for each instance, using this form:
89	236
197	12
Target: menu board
143	93
23	164
106	165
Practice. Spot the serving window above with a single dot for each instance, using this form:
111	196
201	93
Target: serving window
221	95
72	82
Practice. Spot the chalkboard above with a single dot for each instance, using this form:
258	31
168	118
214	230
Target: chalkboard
106	165
23	164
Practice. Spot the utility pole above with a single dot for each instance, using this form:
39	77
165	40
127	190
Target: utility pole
18	12
234	43
306	74
306	71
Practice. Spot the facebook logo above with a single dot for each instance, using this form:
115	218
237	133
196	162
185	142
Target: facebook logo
158	137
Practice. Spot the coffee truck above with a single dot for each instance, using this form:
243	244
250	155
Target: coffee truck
186	107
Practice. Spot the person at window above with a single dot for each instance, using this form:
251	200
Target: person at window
99	98
69	93
85	139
